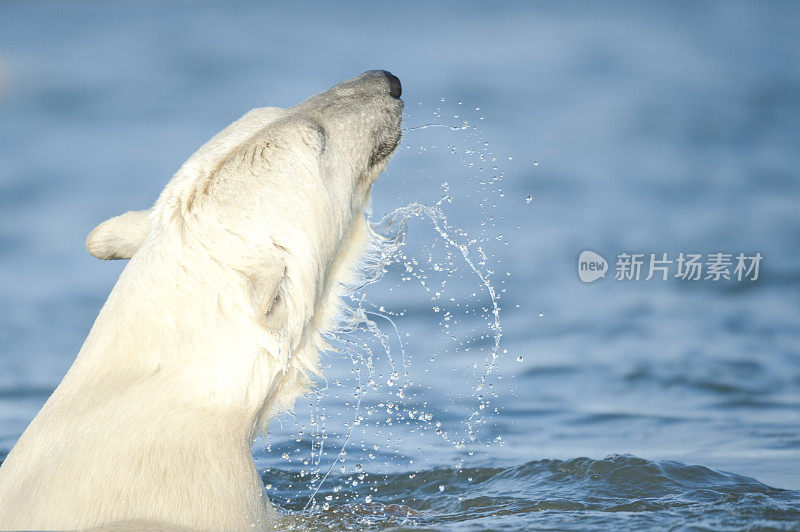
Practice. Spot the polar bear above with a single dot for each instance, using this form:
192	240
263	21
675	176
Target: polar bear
213	327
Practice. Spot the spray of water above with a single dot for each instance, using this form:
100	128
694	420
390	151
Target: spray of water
389	237
392	229
366	326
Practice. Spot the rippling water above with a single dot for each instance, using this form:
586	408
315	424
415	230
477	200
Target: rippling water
621	127
616	492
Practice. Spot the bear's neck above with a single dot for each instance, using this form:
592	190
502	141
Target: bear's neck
159	406
190	329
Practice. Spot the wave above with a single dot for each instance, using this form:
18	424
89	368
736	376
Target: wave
618	491
615	492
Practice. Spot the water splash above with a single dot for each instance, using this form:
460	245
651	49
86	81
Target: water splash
427	126
392	230
389	239
370	336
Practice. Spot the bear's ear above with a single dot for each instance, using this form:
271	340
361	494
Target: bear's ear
311	133
119	237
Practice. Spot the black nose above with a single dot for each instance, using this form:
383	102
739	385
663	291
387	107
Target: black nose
395	89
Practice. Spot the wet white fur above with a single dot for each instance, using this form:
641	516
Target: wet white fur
213	328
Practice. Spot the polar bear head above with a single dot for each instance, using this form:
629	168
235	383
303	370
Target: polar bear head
263	224
342	137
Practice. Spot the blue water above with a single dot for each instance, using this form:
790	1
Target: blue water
623	127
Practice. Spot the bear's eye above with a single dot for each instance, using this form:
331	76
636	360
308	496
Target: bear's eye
322	136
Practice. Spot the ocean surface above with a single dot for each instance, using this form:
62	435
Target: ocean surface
534	131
